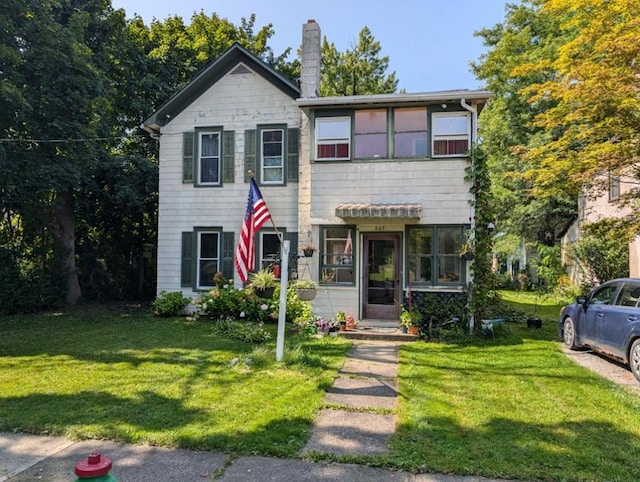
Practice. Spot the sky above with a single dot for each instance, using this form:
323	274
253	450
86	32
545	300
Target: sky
430	43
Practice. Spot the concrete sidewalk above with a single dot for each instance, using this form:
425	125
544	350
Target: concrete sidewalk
347	426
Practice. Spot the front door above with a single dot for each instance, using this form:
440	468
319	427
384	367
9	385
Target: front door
381	276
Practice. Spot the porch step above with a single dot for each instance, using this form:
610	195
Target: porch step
378	330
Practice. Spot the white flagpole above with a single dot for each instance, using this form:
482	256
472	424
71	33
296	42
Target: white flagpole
282	311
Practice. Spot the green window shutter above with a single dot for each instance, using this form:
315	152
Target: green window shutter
292	154
227	254
293	251
187	157
228	155
249	153
186	272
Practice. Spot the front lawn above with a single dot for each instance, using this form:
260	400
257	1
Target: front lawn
96	373
514	408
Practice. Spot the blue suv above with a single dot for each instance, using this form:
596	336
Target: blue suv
607	320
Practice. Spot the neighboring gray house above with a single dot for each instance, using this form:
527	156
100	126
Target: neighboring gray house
376	183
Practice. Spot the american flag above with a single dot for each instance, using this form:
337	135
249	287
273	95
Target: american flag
255	216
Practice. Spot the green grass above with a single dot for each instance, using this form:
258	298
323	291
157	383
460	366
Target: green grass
94	373
515	407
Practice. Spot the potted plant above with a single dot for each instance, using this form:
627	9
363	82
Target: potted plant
351	323
466	251
409	321
308	250
341	318
305	289
264	283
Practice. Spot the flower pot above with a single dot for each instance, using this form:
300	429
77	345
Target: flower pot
343	326
414	330
306	294
308	253
467	256
404	329
265	292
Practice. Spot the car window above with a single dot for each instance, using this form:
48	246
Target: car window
603	295
629	295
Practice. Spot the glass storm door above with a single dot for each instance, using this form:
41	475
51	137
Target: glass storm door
381	276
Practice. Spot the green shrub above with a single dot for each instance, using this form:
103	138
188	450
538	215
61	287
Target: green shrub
242	331
170	303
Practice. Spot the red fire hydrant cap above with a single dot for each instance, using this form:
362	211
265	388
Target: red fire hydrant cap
93	466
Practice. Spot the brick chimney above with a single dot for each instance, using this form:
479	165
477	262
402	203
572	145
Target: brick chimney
310	72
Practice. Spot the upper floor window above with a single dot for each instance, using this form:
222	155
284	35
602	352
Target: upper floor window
272	156
208	157
410	132
451	133
370	135
333	138
614	187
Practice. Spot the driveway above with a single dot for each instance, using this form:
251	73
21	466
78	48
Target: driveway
609	369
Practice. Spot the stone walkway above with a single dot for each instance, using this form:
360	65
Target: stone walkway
360	414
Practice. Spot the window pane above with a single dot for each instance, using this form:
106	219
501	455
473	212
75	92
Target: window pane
371	133
272	175
207	258
410	144
337	255
209	171
209	146
371	146
420	255
333	128
371	121
450	124
410	120
410	132
450	147
449	242
270	254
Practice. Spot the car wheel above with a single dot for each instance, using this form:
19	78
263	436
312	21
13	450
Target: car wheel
569	335
634	359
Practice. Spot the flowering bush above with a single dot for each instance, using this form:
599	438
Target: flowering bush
325	324
228	303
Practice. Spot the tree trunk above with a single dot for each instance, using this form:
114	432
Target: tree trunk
64	231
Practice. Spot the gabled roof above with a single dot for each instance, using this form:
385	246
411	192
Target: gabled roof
213	72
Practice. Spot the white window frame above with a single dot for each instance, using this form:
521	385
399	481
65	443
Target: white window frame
449	132
218	134
281	167
335	139
200	259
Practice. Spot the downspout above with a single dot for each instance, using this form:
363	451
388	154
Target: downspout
472	211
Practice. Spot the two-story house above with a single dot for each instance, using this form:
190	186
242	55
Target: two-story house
377	183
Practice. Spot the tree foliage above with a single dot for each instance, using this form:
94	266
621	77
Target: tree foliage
358	71
508	127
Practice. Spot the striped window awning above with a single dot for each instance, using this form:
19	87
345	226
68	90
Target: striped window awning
379	210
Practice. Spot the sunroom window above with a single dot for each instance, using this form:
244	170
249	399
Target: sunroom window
433	255
451	134
410	132
370	136
333	138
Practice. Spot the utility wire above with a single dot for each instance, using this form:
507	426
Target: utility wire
64	141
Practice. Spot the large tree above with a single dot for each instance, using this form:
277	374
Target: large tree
508	127
358	71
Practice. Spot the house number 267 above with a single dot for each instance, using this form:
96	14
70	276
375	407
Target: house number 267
379	228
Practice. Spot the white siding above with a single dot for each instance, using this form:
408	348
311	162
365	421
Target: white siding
439	186
236	102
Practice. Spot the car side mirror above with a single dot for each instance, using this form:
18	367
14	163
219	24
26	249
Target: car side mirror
582	300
